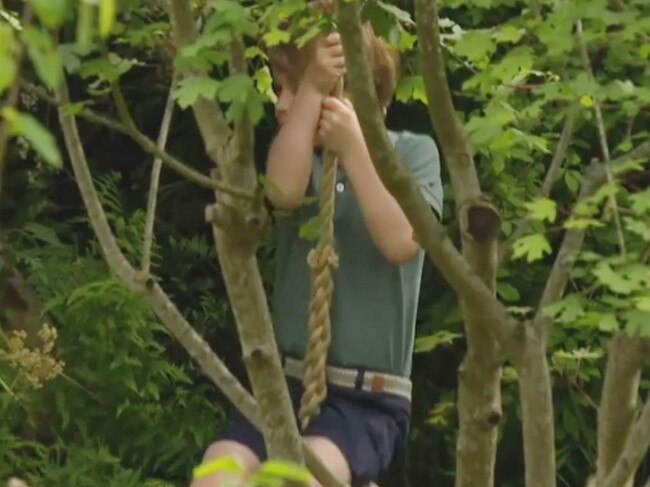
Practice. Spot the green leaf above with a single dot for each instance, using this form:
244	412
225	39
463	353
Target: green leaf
614	281
641	202
107	16
43	54
285	471
586	101
264	83
52	13
567	310
608	323
43	142
508	292
518	61
542	209
411	88
582	223
637	322
108	68
8	71
509	33
225	464
43	233
475	45
642	303
241	93
85	24
532	247
401	15
69	57
310	230
193	87
430	342
275	37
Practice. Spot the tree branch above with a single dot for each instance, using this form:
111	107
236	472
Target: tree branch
211	121
558	278
150	147
159	301
12	97
236	246
618	404
479	393
551	176
155	179
244	138
430	234
635	449
602	137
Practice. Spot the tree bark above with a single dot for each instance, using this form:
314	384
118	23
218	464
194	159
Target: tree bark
236	243
619	401
537	411
635	449
155	296
429	233
479	392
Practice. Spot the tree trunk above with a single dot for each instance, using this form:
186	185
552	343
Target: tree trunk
236	237
479	394
537	411
619	401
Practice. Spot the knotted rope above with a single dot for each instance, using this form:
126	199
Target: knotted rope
322	260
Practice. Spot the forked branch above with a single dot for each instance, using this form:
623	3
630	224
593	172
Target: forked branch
155	296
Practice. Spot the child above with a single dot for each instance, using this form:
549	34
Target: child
365	417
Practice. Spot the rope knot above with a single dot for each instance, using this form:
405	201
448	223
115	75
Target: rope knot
324	256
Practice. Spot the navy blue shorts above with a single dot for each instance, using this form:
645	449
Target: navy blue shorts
369	428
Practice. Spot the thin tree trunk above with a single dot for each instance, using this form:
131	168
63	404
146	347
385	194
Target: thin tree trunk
479	392
636	447
236	243
619	401
537	412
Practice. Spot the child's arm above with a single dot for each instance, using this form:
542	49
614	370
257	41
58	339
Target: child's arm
388	226
290	155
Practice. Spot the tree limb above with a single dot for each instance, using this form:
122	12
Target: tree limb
155	296
155	179
479	391
602	137
558	278
549	180
635	449
430	234
150	147
236	246
211	121
619	403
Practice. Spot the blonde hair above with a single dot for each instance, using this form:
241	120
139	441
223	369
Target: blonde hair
292	61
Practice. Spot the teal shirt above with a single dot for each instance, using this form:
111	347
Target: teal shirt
375	302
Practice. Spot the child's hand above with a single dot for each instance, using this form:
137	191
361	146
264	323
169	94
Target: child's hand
327	64
338	128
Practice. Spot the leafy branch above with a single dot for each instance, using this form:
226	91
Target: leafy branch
550	178
602	137
156	297
558	278
149	146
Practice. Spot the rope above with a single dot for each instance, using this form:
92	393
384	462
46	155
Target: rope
322	260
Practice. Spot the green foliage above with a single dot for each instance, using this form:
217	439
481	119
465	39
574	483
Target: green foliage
27	126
